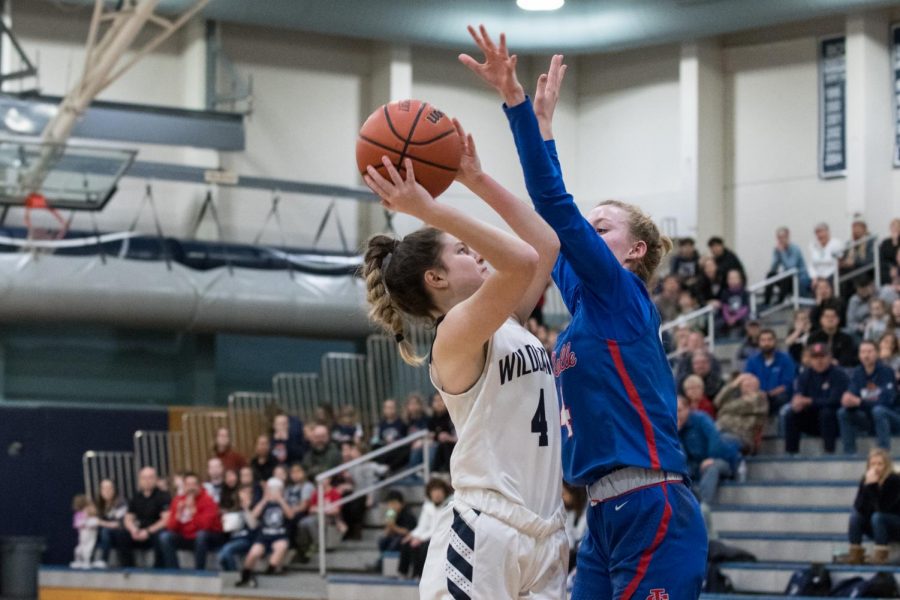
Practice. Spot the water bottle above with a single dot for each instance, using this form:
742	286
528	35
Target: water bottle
742	471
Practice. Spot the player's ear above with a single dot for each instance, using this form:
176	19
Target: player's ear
436	279
638	250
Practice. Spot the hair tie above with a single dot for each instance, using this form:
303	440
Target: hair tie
399	337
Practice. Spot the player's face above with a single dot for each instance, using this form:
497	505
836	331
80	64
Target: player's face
464	268
611	222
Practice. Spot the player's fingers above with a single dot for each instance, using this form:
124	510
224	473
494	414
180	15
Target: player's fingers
541	86
502	48
513	61
410	174
373	185
391	170
471	143
562	74
461	133
477	38
486	39
469	62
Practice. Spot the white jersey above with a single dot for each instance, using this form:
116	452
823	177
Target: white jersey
508	429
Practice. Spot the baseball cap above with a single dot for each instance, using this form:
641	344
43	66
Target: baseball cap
819	350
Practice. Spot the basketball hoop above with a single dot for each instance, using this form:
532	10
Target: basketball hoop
37	201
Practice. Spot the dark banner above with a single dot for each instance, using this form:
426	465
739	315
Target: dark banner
895	69
832	107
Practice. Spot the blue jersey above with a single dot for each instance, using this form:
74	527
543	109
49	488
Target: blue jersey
615	387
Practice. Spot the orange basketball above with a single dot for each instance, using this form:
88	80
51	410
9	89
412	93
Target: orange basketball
416	130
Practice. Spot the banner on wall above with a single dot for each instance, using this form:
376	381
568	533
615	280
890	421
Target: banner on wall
832	107
895	68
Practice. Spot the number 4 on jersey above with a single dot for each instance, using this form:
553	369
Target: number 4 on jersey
539	422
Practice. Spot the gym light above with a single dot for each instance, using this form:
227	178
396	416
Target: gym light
540	4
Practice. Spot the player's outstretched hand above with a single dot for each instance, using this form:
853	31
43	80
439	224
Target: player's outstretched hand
398	194
498	69
469	164
547	95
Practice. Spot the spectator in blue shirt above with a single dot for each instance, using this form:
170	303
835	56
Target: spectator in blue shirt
813	409
774	369
869	401
786	256
709	457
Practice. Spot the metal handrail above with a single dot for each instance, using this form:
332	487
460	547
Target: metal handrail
709	311
874	266
794	274
324	507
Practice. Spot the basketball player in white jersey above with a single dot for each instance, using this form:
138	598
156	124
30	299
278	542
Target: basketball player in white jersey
504	537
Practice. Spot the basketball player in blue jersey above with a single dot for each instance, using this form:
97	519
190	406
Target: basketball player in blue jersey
646	538
504	537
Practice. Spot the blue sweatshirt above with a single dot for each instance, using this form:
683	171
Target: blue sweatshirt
701	440
615	387
876	388
779	373
824	388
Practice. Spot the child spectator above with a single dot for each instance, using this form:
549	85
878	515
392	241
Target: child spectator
287	446
85	522
240	524
262	463
417	420
273	514
215	479
194	524
414	545
869	400
692	388
308	527
709	457
813	409
390	429
879	321
742	410
876	510
797	337
348	428
735	303
222	450
399	520
774	370
111	509
299	491
228	496
444	433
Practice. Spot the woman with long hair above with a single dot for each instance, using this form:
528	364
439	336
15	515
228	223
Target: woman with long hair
876	510
620	439
111	509
504	537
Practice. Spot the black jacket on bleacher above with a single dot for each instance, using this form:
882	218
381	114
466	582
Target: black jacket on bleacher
873	498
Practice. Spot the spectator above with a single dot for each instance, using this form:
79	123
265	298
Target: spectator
324	415
444	432
357	477
684	365
774	370
399	521
798	336
193	524
246	476
228	496
888	250
417	420
308	527
348	428
687	303
390	429
890	288
273	514
215	479
222	450
869	400
299	491
750	346
146	517
824	297
840	345
414	545
824	252
813	409
322	454
86	523
709	457
686	264
734	303
240	524
702	363
889	353
879	321
575	503
860	253
262	462
287	446
677	343
692	388
742	410
786	256
858	307
667	300
709	285
726	260
111	509
895	317
876	510
280	472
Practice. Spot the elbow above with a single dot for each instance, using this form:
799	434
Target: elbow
529	260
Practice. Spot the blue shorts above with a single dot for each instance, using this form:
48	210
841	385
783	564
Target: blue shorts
268	540
647	544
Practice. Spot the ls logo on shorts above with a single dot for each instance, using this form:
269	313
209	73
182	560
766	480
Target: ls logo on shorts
658	594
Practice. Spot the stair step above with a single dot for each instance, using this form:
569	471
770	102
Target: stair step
812	446
795	468
778	546
785	493
799	519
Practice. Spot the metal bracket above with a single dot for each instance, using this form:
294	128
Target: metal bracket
27	69
238	93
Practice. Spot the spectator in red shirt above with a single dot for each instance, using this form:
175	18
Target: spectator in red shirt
307	529
231	459
194	524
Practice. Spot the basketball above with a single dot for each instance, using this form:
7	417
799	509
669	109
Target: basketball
416	130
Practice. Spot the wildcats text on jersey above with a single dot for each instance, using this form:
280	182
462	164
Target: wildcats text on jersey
527	359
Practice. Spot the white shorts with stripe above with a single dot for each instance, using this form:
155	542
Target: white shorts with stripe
474	556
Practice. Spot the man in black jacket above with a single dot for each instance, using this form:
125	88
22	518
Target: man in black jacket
840	345
726	260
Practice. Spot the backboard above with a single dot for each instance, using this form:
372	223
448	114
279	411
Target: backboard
78	177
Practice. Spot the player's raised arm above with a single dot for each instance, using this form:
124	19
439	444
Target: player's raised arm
521	218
